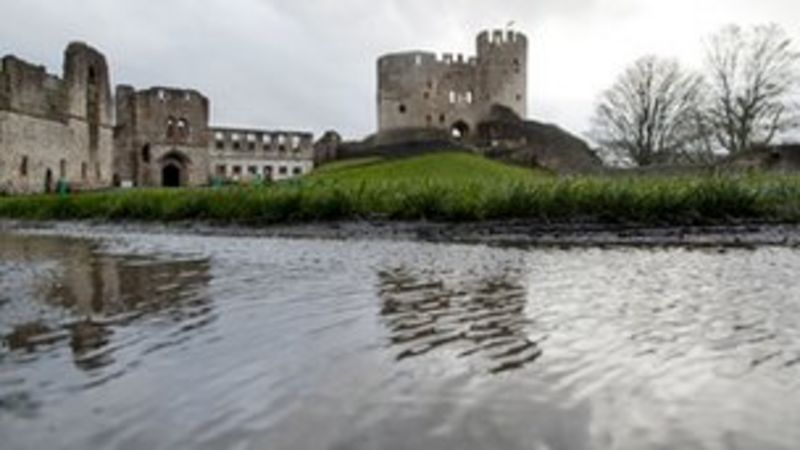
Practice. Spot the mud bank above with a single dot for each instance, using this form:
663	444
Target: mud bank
511	233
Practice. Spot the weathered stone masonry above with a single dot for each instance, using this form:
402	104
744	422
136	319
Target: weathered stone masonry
454	93
63	128
162	137
53	127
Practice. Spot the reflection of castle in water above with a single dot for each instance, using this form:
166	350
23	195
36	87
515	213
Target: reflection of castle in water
483	318
100	292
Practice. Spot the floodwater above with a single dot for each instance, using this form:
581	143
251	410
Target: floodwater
119	340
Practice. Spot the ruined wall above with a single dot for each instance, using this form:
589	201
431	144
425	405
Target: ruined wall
55	128
160	130
454	93
247	154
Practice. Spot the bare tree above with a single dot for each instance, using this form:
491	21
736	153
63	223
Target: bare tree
652	113
753	76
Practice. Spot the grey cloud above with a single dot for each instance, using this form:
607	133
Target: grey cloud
310	64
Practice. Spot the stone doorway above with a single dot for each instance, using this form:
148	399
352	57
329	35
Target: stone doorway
48	181
171	176
459	130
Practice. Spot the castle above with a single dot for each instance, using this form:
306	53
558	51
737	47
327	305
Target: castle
70	129
453	93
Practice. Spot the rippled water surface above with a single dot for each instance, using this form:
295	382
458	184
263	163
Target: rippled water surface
136	341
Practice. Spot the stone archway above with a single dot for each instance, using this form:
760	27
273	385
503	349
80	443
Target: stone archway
459	130
174	169
171	175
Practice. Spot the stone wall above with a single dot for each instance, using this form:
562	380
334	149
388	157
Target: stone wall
162	133
453	93
55	128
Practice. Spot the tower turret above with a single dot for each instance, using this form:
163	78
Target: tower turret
502	70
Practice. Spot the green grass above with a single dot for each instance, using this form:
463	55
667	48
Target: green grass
442	187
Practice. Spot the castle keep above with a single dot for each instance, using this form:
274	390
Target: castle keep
453	93
71	129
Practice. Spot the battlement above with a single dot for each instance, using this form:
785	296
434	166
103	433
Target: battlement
171	95
453	91
501	37
451	59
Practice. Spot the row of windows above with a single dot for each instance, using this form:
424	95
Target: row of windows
62	169
293	141
266	171
164	95
252	146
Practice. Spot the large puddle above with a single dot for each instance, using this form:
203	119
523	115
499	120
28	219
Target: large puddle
146	341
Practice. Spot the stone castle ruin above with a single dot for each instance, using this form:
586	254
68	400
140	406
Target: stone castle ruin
53	127
453	93
70	130
427	103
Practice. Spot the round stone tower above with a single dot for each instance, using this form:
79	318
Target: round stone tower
453	93
502	70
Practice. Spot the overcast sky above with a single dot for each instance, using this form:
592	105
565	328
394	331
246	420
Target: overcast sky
310	64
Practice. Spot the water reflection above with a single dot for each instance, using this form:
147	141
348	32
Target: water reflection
82	295
478	318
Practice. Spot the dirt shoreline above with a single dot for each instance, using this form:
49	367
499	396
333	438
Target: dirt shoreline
511	233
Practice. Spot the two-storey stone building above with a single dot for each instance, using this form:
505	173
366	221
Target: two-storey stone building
248	155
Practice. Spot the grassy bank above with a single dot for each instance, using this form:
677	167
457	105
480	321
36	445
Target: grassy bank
448	187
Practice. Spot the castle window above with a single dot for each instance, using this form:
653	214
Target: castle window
519	97
297	171
429	120
92	76
183	128
236	144
426	95
146	153
402	109
430	84
295	143
221	170
162	95
517	65
268	172
453	97
281	143
84	170
170	128
23	167
220	145
283	170
418	60
253	170
62	168
97	173
468	97
251	142
237	170
442	118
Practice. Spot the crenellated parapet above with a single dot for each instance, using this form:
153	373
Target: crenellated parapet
453	91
